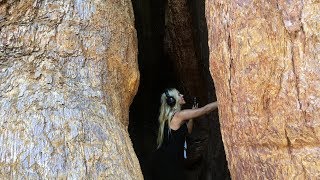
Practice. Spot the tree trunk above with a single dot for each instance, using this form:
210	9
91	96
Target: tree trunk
264	59
68	74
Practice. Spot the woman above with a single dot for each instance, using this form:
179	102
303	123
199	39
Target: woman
172	132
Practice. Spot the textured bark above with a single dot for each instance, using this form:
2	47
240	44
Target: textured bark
264	58
181	49
68	74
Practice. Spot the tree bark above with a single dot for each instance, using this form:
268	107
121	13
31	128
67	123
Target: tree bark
68	74
264	59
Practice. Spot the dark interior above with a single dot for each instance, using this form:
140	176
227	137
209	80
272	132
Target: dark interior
159	70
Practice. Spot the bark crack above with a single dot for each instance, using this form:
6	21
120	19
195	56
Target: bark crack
230	59
304	170
289	145
295	35
230	65
81	142
296	78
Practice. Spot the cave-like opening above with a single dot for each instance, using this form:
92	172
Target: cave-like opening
173	52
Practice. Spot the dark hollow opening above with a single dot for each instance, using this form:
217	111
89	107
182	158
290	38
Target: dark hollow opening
162	64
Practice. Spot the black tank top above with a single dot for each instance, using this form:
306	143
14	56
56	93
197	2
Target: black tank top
173	141
167	162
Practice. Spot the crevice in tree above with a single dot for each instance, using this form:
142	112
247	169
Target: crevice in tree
288	143
295	73
159	69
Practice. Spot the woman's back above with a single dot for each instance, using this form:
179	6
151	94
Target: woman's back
173	141
168	159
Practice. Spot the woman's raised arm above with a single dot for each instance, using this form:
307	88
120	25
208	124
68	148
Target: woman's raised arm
187	114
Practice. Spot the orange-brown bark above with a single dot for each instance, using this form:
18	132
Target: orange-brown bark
264	59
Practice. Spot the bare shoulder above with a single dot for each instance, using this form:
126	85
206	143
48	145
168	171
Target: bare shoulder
176	121
178	116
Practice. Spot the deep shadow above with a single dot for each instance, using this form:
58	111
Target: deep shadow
157	73
214	165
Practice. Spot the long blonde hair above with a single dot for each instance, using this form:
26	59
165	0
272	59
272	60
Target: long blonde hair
167	112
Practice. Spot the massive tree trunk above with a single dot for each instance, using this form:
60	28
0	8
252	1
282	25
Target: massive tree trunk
264	58
68	75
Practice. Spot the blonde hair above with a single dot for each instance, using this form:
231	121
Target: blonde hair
167	112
